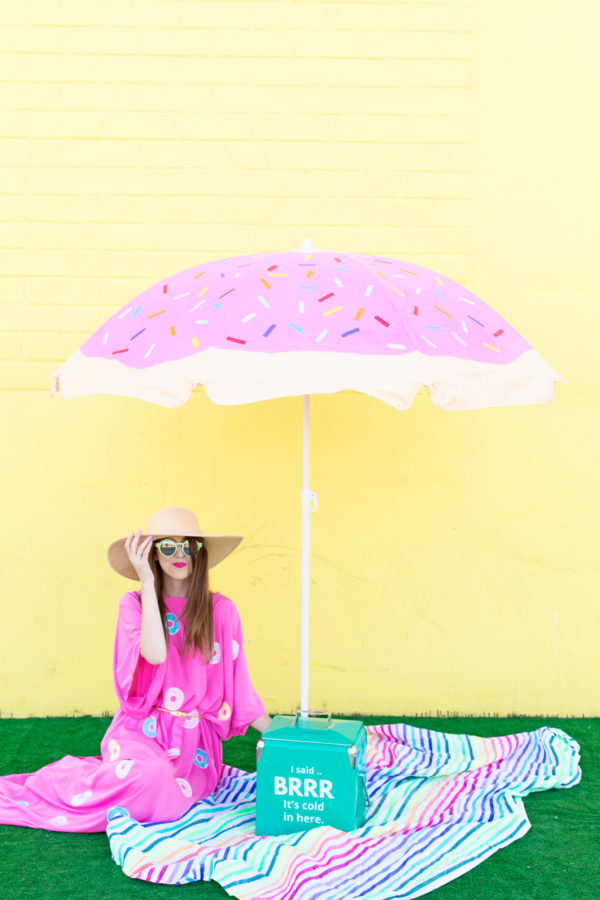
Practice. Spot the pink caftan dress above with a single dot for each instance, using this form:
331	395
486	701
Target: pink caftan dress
154	764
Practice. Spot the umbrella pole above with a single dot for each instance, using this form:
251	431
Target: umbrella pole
307	497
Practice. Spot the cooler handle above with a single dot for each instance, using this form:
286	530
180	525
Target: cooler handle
315	712
364	784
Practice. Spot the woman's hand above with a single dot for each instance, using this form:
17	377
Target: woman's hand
138	552
261	723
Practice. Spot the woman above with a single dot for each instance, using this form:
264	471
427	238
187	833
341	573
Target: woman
183	688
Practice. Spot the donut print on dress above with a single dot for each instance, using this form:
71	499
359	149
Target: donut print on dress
173	752
172	623
200	758
113	750
122	768
185	787
149	727
225	712
235	648
79	799
59	820
216	657
191	721
174	698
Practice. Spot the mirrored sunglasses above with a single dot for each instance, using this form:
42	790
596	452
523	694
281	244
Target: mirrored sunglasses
167	547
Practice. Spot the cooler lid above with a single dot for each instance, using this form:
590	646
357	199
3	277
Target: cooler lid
318	731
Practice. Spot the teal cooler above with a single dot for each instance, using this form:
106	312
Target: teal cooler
311	772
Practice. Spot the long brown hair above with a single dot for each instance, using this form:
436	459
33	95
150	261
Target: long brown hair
198	610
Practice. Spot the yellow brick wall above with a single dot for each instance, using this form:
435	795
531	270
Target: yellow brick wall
454	555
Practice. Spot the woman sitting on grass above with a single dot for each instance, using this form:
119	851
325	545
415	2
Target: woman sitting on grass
183	687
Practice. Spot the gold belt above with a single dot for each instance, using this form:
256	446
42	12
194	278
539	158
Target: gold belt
176	712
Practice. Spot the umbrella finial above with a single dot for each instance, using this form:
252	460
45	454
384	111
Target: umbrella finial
307	244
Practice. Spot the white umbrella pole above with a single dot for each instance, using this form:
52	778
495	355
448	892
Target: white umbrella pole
307	497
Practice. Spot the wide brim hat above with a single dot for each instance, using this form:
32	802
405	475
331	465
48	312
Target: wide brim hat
174	520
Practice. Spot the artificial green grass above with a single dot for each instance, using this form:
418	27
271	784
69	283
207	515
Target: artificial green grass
558	859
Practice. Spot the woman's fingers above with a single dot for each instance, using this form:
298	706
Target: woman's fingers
131	544
140	547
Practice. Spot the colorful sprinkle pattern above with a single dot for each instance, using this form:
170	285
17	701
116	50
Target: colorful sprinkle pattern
313	300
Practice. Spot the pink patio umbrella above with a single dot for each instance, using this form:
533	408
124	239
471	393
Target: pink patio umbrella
307	321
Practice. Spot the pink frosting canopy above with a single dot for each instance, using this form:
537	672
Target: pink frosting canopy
372	324
318	300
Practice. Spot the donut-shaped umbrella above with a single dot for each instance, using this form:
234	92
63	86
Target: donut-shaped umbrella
307	321
271	325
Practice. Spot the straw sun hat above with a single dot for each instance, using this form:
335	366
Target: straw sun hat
174	520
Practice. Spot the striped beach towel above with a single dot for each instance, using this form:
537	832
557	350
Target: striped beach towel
440	804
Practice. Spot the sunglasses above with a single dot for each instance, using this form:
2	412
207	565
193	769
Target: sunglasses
167	547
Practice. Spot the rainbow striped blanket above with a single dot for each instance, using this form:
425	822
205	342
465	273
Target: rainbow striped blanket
440	804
